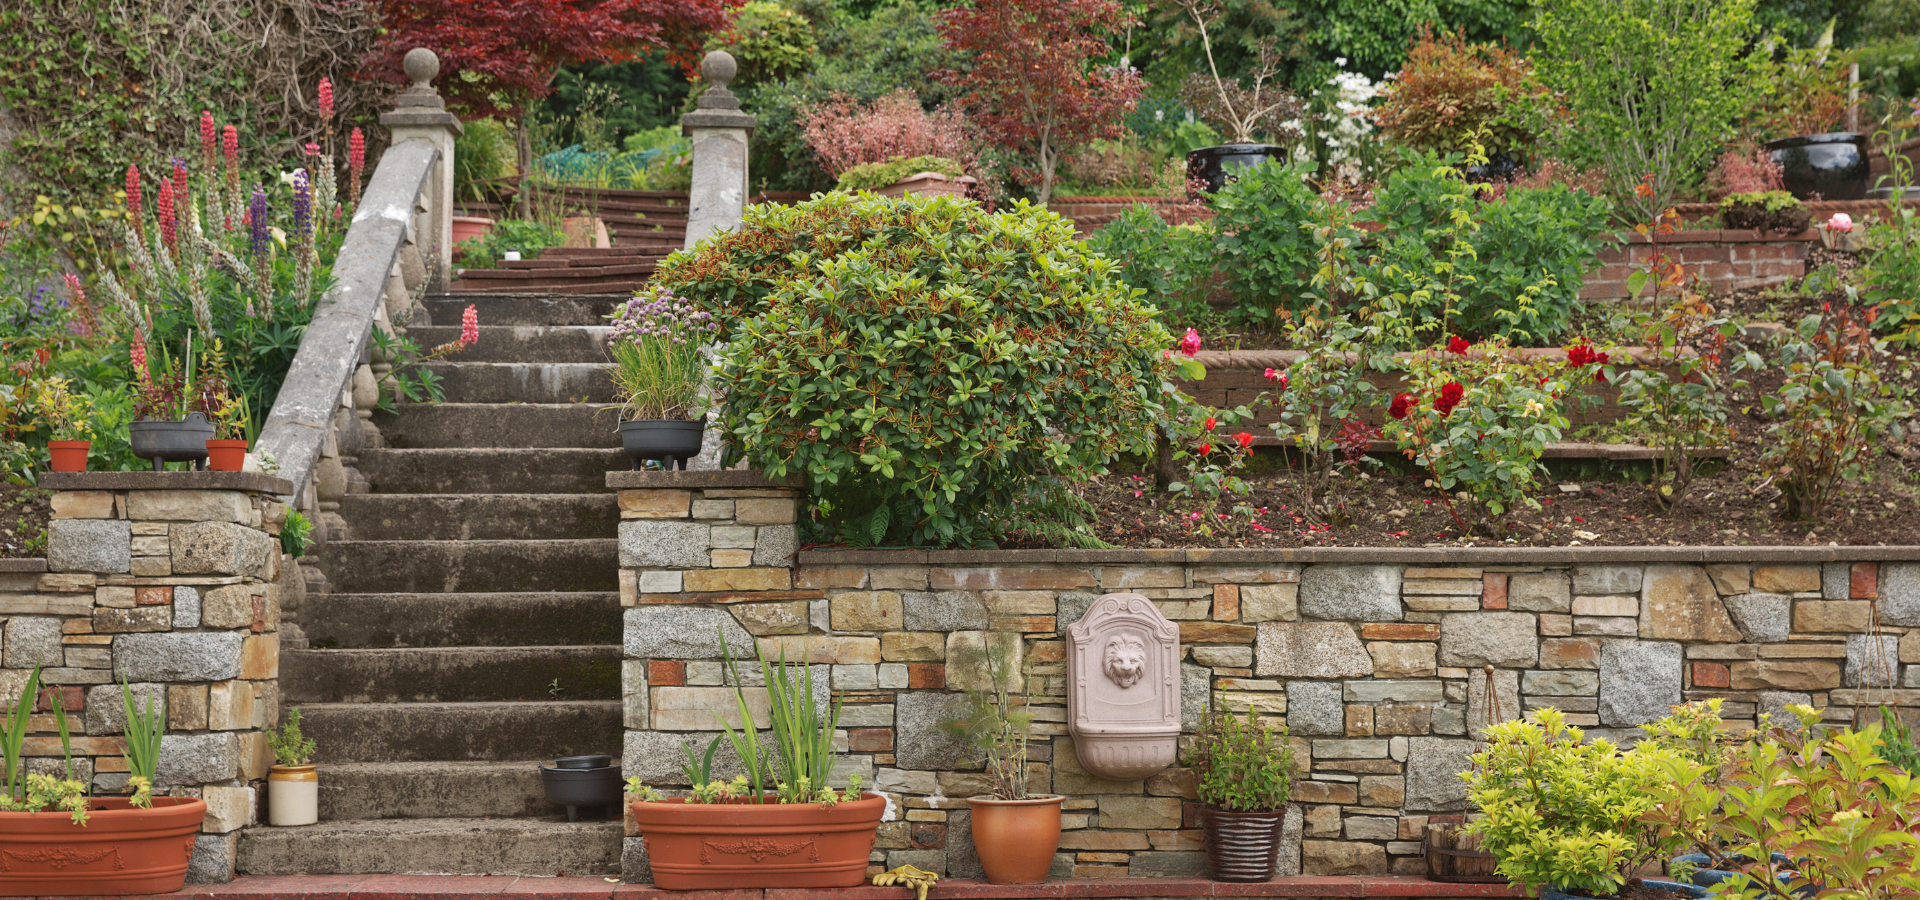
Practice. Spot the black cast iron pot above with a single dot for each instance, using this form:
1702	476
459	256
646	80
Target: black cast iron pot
590	781
165	442
1833	166
1212	164
667	440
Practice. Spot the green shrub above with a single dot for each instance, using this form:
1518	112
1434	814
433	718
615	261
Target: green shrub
1172	263
524	235
1264	247
1241	766
928	367
482	153
1535	236
873	176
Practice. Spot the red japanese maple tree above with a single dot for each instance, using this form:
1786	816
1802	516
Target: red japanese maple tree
498	56
1036	83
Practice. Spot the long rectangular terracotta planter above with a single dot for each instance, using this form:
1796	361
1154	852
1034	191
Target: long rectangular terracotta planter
121	850
742	844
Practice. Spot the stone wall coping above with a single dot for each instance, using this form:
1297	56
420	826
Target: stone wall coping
23	565
1260	359
724	478
1422	556
458	887
166	481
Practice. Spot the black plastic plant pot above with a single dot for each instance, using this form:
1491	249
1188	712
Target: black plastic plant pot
573	785
1214	165
666	440
1834	166
164	442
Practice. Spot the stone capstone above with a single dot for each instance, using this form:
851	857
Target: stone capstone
684	632
1678	603
1762	618
1351	593
90	545
664	545
1310	650
178	656
1433	774
950	611
1639	680
920	741
1315	708
1489	639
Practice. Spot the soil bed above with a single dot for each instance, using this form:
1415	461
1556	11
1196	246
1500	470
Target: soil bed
24	512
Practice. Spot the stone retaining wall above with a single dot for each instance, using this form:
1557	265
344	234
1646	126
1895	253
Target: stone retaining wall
173	581
1374	659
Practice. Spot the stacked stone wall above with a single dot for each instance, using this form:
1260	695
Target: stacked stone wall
172	581
1375	660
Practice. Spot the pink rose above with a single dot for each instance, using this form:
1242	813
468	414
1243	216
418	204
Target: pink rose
1190	344
1840	222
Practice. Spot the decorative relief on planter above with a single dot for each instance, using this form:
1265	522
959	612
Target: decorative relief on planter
1123	694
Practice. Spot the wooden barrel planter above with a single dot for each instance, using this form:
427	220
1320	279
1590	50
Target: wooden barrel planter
1455	857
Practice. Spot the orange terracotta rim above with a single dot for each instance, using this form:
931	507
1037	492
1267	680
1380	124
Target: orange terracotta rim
746	844
69	456
121	850
989	800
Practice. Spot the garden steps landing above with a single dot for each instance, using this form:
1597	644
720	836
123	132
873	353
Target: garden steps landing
472	628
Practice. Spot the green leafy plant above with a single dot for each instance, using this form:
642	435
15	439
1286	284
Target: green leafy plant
1834	405
1264	247
145	727
289	745
659	347
1560	811
800	762
526	236
1890	275
1897	744
409	379
1452	95
13	740
945	363
873	176
1171	264
1241	766
294	534
997	719
1676	395
63	412
483	157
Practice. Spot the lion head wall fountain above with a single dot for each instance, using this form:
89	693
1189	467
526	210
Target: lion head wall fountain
1123	695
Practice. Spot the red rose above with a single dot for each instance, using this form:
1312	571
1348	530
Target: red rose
1458	344
1210	423
1206	449
1402	404
1450	397
1245	440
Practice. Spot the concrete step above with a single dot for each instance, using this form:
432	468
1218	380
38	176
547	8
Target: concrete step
466	382
434	847
421	425
520	343
610	288
433	790
468	517
471	620
523	309
450	674
417	732
369	567
485	470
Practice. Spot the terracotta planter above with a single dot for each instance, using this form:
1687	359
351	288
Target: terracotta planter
226	456
1243	846
121	850
466	228
741	844
69	456
293	795
585	231
928	184
1016	839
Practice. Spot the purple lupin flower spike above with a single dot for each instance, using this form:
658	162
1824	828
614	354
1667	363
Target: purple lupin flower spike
302	203
257	219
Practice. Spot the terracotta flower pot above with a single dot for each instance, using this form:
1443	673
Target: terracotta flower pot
466	228
293	795
226	456
69	456
742	844
121	850
1243	846
1016	839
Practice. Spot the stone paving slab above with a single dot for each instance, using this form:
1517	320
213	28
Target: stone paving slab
521	887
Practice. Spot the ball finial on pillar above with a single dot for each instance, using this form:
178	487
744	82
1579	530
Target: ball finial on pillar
719	68
421	66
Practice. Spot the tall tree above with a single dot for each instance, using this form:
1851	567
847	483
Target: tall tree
1037	85
499	56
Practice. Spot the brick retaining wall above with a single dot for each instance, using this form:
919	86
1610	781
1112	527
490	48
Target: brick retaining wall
1373	657
1726	260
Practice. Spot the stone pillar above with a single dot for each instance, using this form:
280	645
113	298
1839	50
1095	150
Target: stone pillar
420	115
169	579
720	132
695	547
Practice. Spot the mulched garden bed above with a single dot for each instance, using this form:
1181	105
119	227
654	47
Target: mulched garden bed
24	512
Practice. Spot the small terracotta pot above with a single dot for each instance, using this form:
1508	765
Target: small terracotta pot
466	228
121	850
293	795
1243	846
1016	839
69	456
743	844
227	456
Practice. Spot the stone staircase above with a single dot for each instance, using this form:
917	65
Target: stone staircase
472	624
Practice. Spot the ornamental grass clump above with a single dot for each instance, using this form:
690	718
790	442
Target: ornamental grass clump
658	344
937	373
